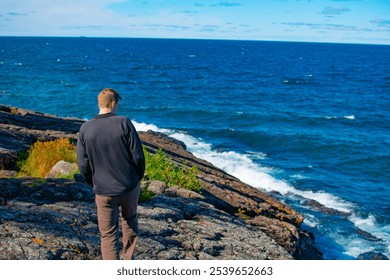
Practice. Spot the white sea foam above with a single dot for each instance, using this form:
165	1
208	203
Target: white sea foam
370	224
355	244
355	247
311	221
349	117
146	127
248	171
256	155
367	223
298	177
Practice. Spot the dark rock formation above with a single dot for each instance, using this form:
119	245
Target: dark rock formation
372	256
185	228
45	220
322	208
20	128
56	218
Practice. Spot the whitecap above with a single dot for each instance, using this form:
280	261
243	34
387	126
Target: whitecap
256	155
298	177
366	223
355	247
244	168
145	127
370	224
351	117
311	221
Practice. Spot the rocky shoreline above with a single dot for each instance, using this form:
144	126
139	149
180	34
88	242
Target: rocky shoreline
56	218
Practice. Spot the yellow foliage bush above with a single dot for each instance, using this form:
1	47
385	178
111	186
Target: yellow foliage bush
42	156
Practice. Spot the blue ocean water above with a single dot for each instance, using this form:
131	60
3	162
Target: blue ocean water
306	122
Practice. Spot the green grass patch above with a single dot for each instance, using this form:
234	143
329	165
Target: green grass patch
36	183
162	168
145	195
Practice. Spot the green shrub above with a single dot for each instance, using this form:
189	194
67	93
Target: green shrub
145	195
160	167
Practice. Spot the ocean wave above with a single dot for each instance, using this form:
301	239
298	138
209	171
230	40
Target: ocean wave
349	117
370	224
369	236
146	127
248	171
311	221
246	168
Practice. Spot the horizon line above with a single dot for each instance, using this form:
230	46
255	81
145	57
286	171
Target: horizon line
205	39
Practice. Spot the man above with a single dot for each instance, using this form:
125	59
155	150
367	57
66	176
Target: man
111	160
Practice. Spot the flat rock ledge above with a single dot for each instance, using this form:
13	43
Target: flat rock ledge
56	218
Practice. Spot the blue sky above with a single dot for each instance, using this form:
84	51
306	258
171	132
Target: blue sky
345	21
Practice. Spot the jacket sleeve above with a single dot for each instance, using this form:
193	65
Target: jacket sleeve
83	161
136	150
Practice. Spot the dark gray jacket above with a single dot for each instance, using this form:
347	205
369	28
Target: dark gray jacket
110	155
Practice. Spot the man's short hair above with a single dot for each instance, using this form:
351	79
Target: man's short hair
107	96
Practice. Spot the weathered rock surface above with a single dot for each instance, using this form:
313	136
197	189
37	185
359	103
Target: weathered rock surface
62	168
20	128
229	194
56	218
47	220
185	228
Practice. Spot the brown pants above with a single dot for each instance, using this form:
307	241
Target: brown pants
108	208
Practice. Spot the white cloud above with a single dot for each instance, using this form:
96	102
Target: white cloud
381	22
230	19
334	11
58	17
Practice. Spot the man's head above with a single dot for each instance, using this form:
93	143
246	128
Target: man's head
108	99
